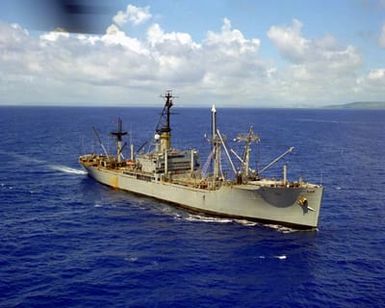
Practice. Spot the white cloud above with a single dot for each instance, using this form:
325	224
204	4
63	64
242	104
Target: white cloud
53	36
225	65
289	41
323	51
381	39
176	54
377	75
114	36
12	36
158	38
318	69
371	86
232	40
233	65
135	15
162	60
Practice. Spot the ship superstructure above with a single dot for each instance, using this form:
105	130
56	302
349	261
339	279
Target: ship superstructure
177	176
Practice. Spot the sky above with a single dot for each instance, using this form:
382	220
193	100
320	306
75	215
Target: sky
245	53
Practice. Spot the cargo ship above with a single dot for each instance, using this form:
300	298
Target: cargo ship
177	176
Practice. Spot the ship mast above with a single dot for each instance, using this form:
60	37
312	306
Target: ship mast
248	139
119	134
163	128
216	144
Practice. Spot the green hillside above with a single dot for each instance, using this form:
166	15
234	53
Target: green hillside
359	105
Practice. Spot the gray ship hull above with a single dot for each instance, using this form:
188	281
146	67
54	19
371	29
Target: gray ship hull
258	201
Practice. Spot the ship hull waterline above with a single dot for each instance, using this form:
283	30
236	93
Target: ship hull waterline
268	205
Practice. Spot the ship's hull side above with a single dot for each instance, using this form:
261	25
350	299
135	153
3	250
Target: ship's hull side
267	204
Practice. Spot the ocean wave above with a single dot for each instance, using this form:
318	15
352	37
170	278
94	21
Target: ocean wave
5	186
131	259
246	223
60	168
199	218
243	222
24	158
283	257
211	219
320	121
282	229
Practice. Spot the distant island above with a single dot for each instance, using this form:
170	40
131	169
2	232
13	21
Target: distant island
359	105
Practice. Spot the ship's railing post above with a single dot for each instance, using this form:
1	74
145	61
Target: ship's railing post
165	162
192	161
132	151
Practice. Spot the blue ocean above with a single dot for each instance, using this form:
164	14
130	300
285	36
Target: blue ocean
66	240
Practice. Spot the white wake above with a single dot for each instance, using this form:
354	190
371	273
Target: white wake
68	170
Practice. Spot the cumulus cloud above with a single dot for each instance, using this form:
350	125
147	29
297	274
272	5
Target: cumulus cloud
232	63
231	40
289	41
159	39
317	68
53	36
377	74
161	60
114	36
372	85
298	49
133	14
225	65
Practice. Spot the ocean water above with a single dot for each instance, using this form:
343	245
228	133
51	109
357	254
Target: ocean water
66	240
